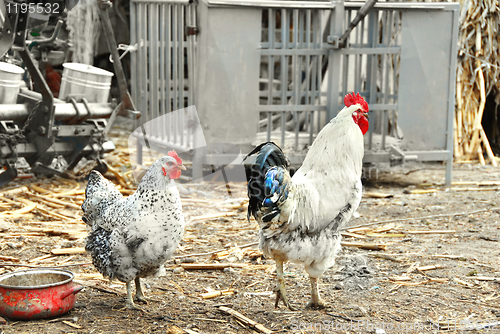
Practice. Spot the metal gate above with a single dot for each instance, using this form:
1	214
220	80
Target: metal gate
287	81
163	71
292	103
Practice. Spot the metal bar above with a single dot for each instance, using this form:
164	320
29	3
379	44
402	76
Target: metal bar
175	68
141	73
371	72
334	59
345	62
184	2
284	69
383	59
62	111
190	66
29	149
311	126
168	70
360	15
385	156
372	51
269	125
451	98
296	82
390	69
191	55
270	65
293	52
308	57
272	13
358	58
319	41
162	145
288	107
397	5
150	66
319	45
133	55
153	67
278	94
144	61
314	94
182	48
162	69
127	103
303	67
273	4
396	62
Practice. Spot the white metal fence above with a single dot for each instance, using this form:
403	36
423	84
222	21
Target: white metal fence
163	68
302	75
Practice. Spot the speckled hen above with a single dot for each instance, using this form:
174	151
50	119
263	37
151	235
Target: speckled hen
300	216
132	237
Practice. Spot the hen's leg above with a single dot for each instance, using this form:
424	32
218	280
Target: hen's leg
316	302
139	296
129	302
280	287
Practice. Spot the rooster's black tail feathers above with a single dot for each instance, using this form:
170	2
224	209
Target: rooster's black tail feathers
267	190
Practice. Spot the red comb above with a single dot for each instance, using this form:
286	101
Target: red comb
351	99
174	155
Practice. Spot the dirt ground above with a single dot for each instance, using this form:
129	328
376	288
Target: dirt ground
434	269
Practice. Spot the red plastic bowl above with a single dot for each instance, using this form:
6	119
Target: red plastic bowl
37	293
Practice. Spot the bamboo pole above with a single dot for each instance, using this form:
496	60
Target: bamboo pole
480	155
487	146
479	115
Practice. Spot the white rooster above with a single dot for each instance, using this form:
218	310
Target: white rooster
132	237
300	216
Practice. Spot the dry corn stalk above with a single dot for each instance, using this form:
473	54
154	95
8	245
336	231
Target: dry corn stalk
477	76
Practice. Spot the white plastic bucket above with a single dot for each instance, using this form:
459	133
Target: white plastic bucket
81	80
10	81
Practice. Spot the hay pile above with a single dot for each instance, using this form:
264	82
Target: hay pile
477	76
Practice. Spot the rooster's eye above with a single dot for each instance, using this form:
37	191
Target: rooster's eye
170	163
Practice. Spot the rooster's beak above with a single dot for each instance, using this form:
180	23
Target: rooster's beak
366	115
182	167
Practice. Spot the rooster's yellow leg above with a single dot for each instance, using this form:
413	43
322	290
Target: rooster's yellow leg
316	302
280	287
139	296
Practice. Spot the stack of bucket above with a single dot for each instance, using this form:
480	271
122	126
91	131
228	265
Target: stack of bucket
10	81
81	80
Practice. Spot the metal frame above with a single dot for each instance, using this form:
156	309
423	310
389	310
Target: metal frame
163	69
41	128
294	99
304	72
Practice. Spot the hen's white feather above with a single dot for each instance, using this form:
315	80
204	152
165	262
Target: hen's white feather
133	236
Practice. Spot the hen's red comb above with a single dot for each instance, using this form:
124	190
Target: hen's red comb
174	155
351	99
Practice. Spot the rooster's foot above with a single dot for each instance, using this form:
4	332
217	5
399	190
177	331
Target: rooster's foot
281	294
131	306
141	299
316	305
